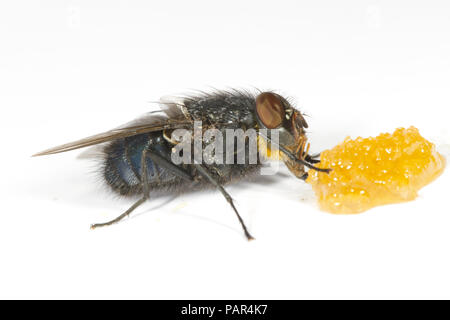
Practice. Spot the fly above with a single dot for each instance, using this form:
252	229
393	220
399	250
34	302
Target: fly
138	157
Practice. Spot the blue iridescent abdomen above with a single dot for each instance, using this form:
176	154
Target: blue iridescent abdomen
122	169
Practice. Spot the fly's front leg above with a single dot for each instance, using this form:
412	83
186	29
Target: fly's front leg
145	194
204	172
293	157
312	158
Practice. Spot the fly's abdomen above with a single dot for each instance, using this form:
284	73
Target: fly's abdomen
122	170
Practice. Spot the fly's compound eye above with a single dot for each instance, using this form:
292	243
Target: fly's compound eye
270	110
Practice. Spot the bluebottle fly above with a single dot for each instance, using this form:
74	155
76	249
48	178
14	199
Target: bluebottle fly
137	157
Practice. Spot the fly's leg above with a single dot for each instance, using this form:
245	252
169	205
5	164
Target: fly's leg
304	176
123	215
293	156
312	158
163	162
160	160
145	191
204	172
157	159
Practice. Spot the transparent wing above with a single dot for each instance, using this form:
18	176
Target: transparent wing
150	122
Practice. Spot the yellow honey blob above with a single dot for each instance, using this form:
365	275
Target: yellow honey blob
374	171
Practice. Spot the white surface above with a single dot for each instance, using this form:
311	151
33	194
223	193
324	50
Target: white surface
69	69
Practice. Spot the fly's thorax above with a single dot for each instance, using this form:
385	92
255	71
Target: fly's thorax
231	109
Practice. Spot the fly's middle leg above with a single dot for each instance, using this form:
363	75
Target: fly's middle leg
204	172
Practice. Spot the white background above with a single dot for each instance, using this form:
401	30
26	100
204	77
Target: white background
69	69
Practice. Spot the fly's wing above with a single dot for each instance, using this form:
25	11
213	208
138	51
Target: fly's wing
171	117
174	107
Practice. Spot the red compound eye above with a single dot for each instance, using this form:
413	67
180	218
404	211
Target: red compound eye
270	110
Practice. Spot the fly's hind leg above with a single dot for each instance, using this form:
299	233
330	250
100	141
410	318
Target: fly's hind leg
159	160
204	172
123	215
145	191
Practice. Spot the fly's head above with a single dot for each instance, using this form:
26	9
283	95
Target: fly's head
275	113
